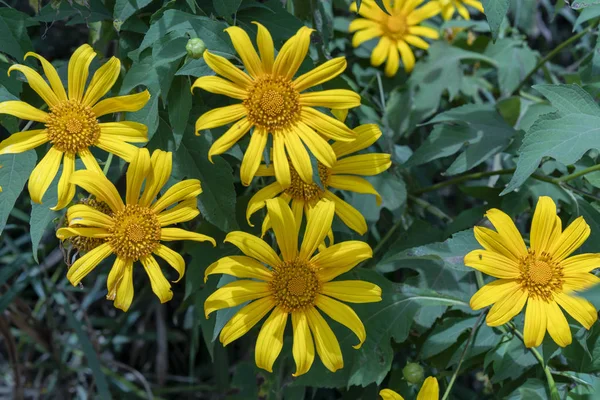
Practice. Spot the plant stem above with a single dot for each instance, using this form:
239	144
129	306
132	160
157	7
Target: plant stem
577	174
107	163
551	55
462	356
430	208
381	94
463	178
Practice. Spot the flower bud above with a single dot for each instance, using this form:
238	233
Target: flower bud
195	48
413	373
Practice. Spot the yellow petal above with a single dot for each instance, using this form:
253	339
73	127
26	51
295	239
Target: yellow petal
284	227
508	231
229	138
344	315
66	190
125	131
127	103
42	175
87	263
317	227
96	233
51	74
333	98
227	70
327	345
136	174
505	309
100	187
23	141
170	234
235	293
254	247
270	339
348	214
393	62
102	81
187	189
557	324
245	319
365	35
424	31
37	83
292	53
22	110
253	155
173	258
340	258
303	348
280	161
124	291
353	184
366	135
84	215
578	308
185	211
416	41
118	147
493	292
220	116
257	201
89	161
318	146
570	240
362	23
245	49
214	84
323	73
78	71
430	390
162	164
493	264
581	263
326	126
448	11
160	285
387	394
462	10
429	10
546	225
492	241
353	291
115	276
265	46
381	51
535	322
407	55
475	4
298	155
240	267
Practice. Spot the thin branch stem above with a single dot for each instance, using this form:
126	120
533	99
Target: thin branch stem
577	174
430	208
381	93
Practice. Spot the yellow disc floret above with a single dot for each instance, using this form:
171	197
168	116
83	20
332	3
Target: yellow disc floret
295	285
308	192
72	127
273	103
540	275
136	232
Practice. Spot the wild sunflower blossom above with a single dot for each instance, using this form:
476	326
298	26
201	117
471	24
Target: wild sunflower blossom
343	175
396	32
133	230
273	102
295	284
449	7
72	125
429	391
544	276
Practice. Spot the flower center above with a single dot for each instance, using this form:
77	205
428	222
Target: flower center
136	232
308	192
84	244
395	25
273	103
72	127
295	285
540	275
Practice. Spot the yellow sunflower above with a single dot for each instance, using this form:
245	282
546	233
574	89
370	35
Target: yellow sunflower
396	32
133	230
342	175
72	125
449	7
429	391
543	276
273	102
295	284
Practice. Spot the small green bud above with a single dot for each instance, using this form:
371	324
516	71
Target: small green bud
413	373
195	48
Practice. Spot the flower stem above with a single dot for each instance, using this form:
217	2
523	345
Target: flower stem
577	174
107	163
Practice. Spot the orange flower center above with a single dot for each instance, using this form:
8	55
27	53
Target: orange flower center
135	233
308	192
273	103
540	275
72	127
295	285
395	25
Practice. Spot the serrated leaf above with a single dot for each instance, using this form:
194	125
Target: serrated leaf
565	135
15	171
495	11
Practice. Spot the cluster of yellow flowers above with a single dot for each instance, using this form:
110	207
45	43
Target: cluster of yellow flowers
296	281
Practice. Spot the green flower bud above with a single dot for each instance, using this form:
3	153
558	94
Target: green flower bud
195	48
413	373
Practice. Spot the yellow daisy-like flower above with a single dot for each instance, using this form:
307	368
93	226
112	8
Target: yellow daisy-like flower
343	175
72	125
429	391
396	32
295	284
449	7
543	276
273	102
133	230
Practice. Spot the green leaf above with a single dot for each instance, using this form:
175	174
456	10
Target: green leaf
279	22
42	215
217	201
445	334
587	15
515	59
511	360
180	105
195	68
565	135
226	8
13	31
15	171
495	11
126	8
479	130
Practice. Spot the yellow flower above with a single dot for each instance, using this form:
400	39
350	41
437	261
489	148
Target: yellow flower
296	284
72	125
343	175
396	31
84	244
133	230
449	7
543	276
429	391
272	102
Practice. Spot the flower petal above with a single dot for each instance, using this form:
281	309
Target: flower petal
493	264
328	346
96	233
318	146
323	73
298	155
492	241
160	285
99	186
284	227
581	263
124	290
303	348
424	31
508	231
240	267
416	42
493	292
407	55
557	324
546	225
162	165
535	322
265	46
84	215
317	227
102	81
23	141
245	319
430	389
221	116
226	69
187	189
340	258
126	131
387	394
579	308
353	291
245	49
429	10
127	103
363	164
185	211
90	161
353	184
280	161
253	247
22	110
292	53
87	263
253	155
381	51
344	315
365	35
229	138
570	240
118	147
235	293
505	309
173	258
257	201
350	215
115	276
170	234
270	339
79	65
136	175
42	175
37	83
66	190
366	135
51	74
214	84
393	61
333	98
